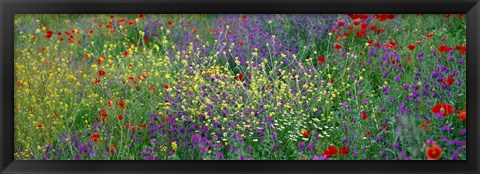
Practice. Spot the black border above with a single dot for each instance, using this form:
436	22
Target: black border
9	7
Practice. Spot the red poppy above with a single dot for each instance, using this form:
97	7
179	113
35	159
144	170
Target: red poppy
170	22
449	81
345	34
111	16
447	15
350	28
243	19
321	59
103	113
434	152
459	16
130	23
370	42
443	48
151	88
332	150
340	23
125	53
425	126
361	33
444	109
462	115
141	16
101	72
344	150
240	76
306	133
240	43
364	115
337	47
384	126
121	104
381	30
120	117
129	126
356	22
373	27
96	80
165	86
112	148
411	47
146	40
463	49
194	31
39	126
142	125
429	35
393	62
95	137
364	26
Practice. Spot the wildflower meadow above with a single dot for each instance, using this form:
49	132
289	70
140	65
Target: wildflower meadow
240	87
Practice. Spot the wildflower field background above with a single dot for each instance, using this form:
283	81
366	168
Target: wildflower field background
262	87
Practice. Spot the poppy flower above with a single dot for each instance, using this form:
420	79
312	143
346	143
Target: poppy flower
95	137
434	152
165	86
364	26
462	115
125	53
103	113
381	30
364	115
332	150
151	88
393	62
120	117
96	80
443	48
356	22
344	150
447	15
459	16
194	31
112	16
449	81
346	34
350	28
429	35
444	109
142	125
240	43
146	40
373	27
121	104
340	23
101	72
39	126
112	148
141	16
337	47
321	59
425	126
411	47
306	133
129	126
384	126
240	76
170	22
